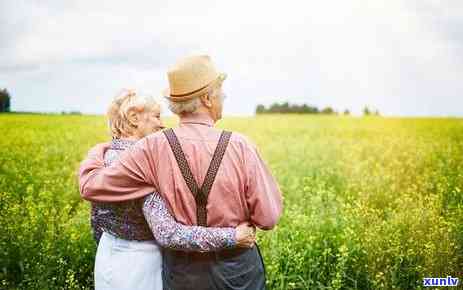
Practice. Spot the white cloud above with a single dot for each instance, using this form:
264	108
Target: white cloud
403	57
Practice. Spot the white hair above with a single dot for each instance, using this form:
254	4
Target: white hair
192	105
117	114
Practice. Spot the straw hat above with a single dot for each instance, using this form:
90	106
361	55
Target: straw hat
192	77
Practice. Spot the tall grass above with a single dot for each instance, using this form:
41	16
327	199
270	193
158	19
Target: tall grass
370	203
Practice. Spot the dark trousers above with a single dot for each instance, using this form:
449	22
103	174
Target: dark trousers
240	269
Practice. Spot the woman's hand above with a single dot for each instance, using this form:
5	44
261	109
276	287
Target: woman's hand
245	235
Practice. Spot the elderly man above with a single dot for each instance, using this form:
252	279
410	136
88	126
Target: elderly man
207	176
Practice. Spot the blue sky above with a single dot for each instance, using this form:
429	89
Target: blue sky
402	57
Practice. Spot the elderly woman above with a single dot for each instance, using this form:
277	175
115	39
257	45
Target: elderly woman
129	233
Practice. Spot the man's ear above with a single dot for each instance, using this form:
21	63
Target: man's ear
206	100
133	118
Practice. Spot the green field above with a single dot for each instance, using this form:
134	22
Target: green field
370	203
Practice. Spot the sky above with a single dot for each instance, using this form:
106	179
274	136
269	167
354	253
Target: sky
402	57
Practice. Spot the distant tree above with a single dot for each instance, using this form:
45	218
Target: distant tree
366	111
346	112
295	109
328	111
284	108
313	110
292	108
8	103
5	100
304	109
71	113
309	109
377	112
260	109
274	108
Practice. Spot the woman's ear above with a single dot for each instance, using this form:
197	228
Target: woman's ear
133	118
206	100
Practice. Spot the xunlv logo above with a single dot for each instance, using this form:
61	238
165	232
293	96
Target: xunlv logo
449	281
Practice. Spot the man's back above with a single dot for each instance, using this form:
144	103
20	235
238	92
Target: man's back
243	188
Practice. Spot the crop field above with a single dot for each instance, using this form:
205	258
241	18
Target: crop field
370	203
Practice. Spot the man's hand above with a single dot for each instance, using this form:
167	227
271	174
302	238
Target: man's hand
245	235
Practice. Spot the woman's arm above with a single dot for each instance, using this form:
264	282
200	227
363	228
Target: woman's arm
170	234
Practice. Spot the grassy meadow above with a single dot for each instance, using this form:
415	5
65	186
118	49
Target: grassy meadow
370	203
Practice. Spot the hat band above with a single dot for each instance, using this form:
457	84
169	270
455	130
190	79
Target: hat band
190	93
220	77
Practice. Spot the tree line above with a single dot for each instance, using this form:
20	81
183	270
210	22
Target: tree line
5	100
287	108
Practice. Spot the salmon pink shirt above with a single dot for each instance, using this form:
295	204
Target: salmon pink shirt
243	190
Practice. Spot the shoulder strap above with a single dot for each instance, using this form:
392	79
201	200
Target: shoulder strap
211	174
200	194
181	161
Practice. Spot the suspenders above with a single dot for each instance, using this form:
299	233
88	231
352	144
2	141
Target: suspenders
200	194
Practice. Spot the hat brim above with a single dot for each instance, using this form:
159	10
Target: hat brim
189	96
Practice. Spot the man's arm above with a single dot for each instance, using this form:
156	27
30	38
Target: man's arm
263	194
131	177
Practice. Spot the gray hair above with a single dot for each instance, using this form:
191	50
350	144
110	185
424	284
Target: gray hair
192	105
185	107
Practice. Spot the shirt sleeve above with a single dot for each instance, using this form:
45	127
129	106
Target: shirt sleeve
170	234
130	177
263	194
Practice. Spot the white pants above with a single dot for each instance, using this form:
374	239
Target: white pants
127	265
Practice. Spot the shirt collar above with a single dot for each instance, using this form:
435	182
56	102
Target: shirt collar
197	118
